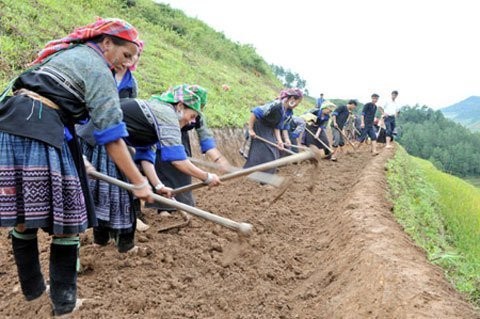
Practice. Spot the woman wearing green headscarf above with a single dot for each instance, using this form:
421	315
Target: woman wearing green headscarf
170	172
150	125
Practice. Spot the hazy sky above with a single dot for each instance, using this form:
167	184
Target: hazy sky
427	50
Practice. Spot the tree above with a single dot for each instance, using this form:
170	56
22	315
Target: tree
289	78
449	146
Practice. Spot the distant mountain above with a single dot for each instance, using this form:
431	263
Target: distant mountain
466	112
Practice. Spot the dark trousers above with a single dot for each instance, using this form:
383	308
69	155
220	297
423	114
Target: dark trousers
124	239
390	125
337	137
368	131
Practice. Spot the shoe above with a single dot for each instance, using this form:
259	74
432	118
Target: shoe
165	214
133	251
141	226
333	158
78	304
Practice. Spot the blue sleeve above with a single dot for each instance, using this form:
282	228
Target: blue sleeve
325	121
207	144
144	154
258	112
283	126
67	134
285	123
110	134
173	153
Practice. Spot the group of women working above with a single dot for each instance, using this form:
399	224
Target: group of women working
62	118
74	111
276	126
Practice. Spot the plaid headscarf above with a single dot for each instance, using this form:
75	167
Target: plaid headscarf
200	92
291	92
328	105
111	26
140	44
180	93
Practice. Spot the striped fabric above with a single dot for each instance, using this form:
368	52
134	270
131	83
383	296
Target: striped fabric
200	92
39	186
113	205
180	93
290	92
115	27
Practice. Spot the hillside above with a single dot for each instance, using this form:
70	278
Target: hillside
451	147
440	212
178	49
466	112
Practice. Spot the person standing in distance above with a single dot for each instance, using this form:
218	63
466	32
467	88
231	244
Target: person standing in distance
320	101
389	113
367	121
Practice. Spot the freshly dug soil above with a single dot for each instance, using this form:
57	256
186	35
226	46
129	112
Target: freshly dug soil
328	247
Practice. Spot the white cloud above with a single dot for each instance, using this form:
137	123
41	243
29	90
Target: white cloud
427	50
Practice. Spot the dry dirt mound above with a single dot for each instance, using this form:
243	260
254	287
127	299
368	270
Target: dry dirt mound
331	251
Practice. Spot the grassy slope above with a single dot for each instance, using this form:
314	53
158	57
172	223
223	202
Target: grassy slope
178	50
475	181
442	214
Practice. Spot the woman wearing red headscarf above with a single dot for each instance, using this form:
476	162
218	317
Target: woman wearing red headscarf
43	180
270	122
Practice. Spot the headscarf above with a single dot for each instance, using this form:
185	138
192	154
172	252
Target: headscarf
327	105
309	118
140	44
200	92
180	93
111	26
291	92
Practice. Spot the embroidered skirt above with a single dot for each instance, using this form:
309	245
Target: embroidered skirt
40	186
113	205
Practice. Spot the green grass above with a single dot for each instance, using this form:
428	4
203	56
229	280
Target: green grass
178	50
442	214
475	181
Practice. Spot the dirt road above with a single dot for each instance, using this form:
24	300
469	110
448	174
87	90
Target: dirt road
327	248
